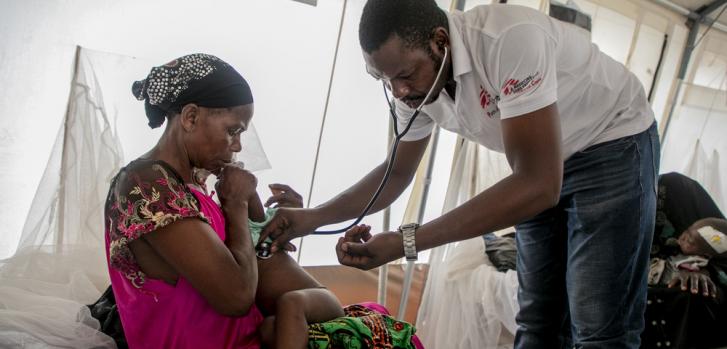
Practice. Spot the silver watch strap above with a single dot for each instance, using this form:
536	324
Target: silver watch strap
408	232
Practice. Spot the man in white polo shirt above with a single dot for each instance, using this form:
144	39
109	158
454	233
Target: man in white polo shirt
578	133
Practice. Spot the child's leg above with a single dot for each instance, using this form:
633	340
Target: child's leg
294	297
296	309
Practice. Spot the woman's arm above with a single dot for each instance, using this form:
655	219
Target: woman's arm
224	273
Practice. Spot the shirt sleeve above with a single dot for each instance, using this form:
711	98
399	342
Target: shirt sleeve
420	128
525	73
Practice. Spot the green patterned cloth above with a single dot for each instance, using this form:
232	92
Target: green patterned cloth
361	328
257	227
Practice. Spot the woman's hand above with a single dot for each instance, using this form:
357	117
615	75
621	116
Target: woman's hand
695	279
234	184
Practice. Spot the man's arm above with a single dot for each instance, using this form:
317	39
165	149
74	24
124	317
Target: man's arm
288	223
350	203
533	149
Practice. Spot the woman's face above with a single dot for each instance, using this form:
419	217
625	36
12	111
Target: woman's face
215	138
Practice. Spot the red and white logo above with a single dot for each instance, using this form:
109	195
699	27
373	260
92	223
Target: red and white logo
485	98
514	86
488	103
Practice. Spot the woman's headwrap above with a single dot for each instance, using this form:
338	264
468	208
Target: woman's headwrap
197	78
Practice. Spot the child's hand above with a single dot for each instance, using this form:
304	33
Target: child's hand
694	280
284	196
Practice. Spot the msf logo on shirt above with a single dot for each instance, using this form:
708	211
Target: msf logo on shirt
488	103
514	86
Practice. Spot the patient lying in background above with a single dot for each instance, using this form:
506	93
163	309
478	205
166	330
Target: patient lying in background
690	245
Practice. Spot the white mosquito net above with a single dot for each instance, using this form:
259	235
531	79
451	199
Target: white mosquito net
60	263
467	303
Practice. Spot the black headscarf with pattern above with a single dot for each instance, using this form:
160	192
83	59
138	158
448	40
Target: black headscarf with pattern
197	78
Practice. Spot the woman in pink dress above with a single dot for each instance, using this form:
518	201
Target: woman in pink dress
183	268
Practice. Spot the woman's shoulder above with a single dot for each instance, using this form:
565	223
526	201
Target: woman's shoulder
148	183
146	174
150	169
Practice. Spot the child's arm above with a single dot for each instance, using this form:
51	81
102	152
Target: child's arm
255	209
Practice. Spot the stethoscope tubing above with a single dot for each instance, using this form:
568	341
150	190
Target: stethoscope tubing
394	147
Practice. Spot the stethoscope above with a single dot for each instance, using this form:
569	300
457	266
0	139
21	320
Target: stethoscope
390	163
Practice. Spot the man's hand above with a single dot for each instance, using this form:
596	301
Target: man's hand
695	279
359	249
288	224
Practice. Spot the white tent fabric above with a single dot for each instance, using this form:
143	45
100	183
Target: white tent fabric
60	263
467	303
693	146
284	49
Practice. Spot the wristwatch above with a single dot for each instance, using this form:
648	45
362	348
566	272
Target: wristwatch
410	249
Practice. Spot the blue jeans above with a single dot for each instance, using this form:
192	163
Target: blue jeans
583	264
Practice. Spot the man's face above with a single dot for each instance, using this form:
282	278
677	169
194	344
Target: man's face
408	72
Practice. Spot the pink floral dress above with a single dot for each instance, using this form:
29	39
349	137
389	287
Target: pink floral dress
147	195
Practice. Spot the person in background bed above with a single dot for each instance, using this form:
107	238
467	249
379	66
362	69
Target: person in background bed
687	279
183	268
689	237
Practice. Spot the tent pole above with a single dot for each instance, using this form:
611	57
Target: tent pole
694	19
384	269
406	286
323	120
455	5
64	158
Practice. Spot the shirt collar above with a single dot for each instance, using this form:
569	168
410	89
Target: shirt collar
461	62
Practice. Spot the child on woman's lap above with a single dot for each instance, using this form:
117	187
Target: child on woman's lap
286	294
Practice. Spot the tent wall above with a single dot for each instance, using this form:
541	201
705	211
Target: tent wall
285	49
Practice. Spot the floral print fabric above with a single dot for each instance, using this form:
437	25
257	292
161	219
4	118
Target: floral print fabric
145	196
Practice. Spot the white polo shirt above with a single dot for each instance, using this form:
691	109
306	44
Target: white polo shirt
511	60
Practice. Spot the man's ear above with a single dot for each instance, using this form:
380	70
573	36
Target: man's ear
440	40
189	116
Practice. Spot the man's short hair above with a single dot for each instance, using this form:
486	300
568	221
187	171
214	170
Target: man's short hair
413	21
